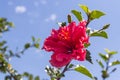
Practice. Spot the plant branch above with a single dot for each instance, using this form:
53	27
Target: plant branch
64	70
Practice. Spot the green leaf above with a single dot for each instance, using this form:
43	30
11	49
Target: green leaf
110	52
95	14
85	9
88	57
105	74
37	45
30	77
8	77
105	26
99	34
33	38
11	53
104	57
69	18
37	78
115	63
100	63
71	65
10	24
77	14
62	24
27	45
86	45
83	70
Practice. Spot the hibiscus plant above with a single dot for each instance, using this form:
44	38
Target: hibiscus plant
67	43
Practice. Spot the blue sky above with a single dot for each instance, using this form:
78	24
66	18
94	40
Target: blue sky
38	17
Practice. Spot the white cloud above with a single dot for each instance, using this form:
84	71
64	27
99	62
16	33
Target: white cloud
20	9
51	18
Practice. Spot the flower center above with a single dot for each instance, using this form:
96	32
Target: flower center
63	35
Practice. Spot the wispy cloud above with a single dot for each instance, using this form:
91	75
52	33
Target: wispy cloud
20	9
52	17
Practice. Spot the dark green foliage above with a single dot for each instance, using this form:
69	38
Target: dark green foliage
106	68
88	57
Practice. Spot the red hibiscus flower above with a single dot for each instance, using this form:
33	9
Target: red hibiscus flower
67	43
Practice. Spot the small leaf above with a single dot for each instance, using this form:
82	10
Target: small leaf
95	14
11	53
69	18
104	57
27	45
85	9
110	52
106	26
115	63
17	55
26	74
113	70
105	74
100	63
10	24
33	38
99	34
86	45
30	77
8	77
88	57
62	24
37	78
71	65
37	45
77	14
84	71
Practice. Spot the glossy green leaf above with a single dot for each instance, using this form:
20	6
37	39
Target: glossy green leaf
83	70
85	9
95	14
99	34
88	57
77	14
115	63
100	63
104	57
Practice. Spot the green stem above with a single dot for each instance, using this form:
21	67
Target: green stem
64	70
88	20
107	66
